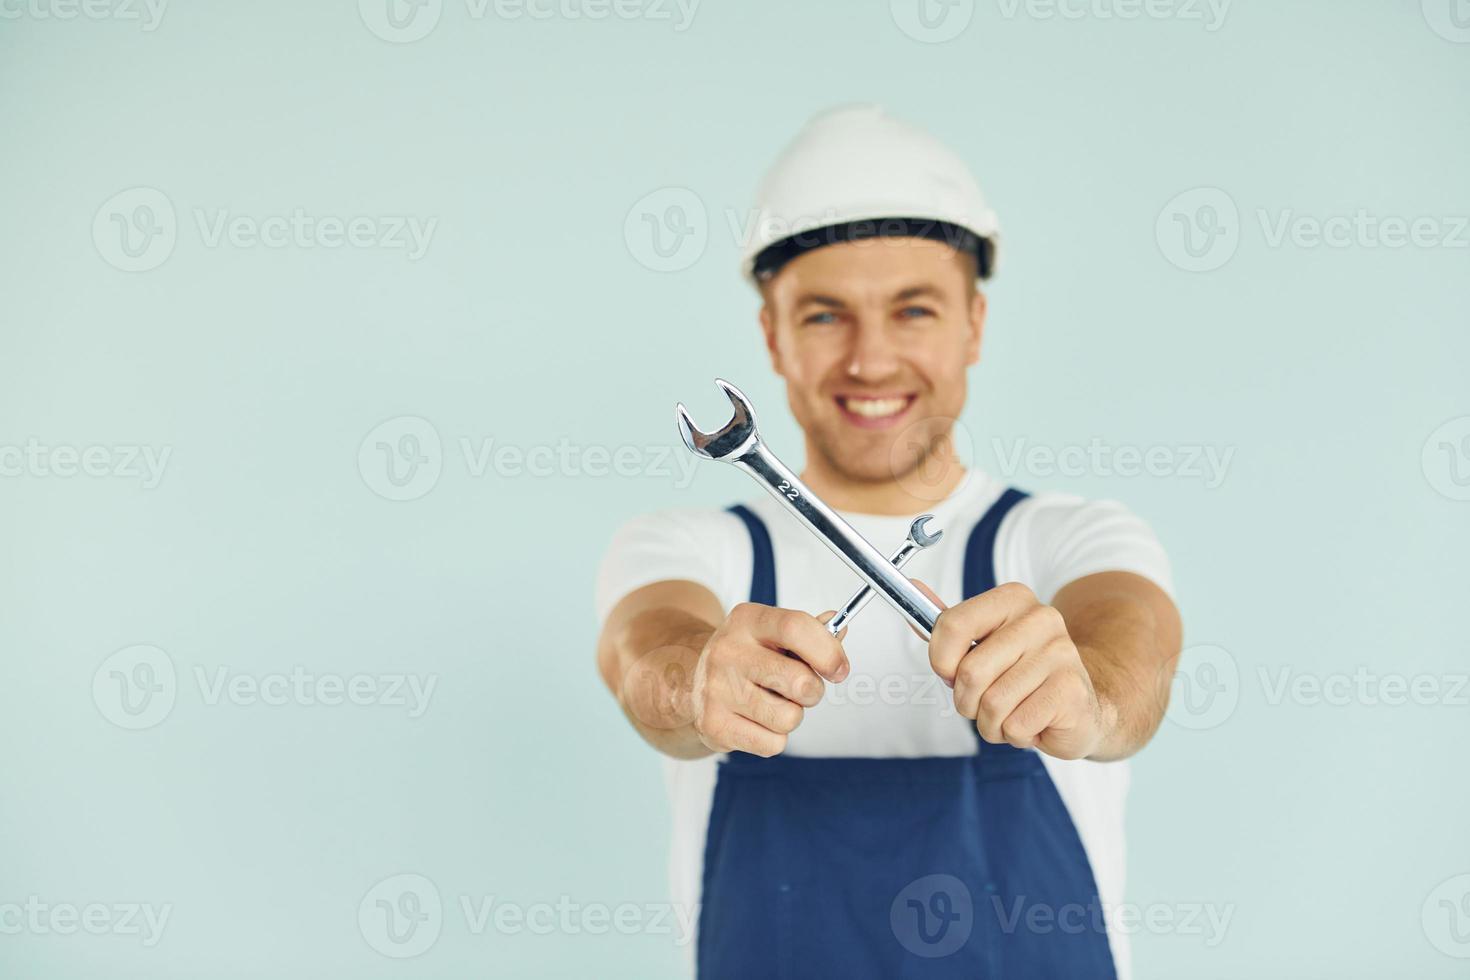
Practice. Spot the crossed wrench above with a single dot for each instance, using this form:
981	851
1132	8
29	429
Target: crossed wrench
738	443
917	540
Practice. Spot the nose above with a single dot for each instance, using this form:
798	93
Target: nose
874	356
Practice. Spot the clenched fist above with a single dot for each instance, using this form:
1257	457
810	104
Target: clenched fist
756	675
1017	673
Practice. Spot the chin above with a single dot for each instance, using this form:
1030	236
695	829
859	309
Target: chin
866	460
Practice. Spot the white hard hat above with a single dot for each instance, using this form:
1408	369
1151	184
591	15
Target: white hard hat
856	172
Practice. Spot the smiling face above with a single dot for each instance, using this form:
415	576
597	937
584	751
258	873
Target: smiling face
874	338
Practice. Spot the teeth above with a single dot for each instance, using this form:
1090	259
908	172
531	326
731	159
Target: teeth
875	408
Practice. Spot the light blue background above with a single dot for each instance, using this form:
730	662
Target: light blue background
534	319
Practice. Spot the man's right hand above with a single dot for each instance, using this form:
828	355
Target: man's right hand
695	680
758	673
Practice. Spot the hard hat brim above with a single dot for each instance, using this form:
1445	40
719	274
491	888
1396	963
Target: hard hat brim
771	259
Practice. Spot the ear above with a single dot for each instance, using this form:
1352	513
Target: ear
768	328
978	309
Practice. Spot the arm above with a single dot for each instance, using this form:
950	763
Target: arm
1128	633
1086	677
693	680
647	653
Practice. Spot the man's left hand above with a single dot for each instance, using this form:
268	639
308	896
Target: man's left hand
1023	682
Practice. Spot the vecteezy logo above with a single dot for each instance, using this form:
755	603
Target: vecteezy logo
136	687
401	459
928	454
653	687
135	230
932	21
933	916
400	21
1450	19
1205	689
401	916
1446	459
667	230
1199	230
1446	917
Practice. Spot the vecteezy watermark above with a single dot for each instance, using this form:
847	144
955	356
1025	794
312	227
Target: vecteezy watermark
401	916
1445	917
1200	230
569	917
1209	13
655	689
148	13
1363	229
1205	688
404	915
400	21
406	21
121	462
137	229
1446	459
1207	464
403	459
932	916
1450	19
660	461
1206	920
36	917
932	21
923	688
929	454
937	21
1363	687
298	686
138	686
667	230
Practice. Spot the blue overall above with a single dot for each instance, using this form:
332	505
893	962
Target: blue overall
964	866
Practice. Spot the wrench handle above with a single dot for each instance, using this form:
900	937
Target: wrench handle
854	550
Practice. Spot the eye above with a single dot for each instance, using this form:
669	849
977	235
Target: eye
820	319
915	312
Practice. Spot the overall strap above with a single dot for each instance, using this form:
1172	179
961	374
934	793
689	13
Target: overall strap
763	567
980	551
980	577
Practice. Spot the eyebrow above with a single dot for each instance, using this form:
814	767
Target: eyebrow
914	292
819	299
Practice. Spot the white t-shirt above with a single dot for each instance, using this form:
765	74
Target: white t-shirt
892	704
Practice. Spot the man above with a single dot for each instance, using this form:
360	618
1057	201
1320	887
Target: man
833	813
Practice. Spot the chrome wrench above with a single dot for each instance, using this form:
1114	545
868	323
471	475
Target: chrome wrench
917	540
738	443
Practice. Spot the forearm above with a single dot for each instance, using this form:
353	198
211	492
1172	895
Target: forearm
648	664
1127	637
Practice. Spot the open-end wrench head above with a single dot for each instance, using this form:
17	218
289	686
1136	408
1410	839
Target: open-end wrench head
728	442
921	537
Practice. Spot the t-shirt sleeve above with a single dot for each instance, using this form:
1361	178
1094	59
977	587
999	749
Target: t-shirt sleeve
1056	539
708	547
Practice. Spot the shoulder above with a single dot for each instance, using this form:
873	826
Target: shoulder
1061	513
677	526
1050	539
706	545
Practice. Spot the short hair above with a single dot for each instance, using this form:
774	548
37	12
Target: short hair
972	262
773	257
